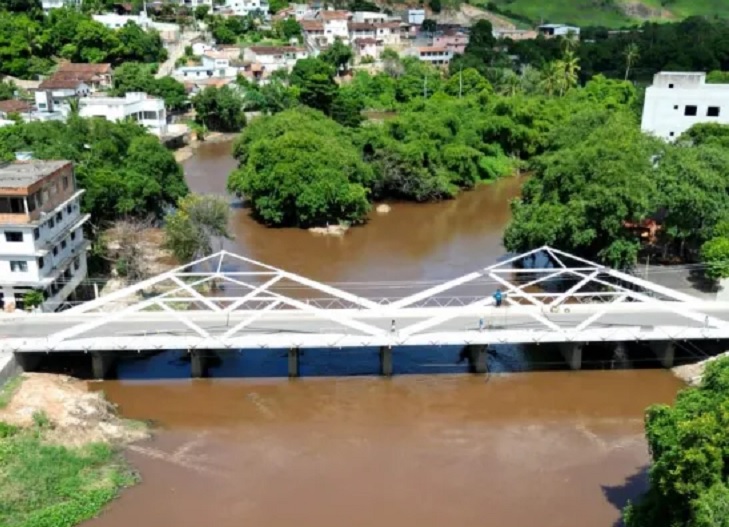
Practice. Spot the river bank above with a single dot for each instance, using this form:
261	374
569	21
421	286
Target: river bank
60	450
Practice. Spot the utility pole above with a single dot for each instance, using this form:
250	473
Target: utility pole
460	82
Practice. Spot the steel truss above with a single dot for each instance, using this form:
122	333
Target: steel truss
226	301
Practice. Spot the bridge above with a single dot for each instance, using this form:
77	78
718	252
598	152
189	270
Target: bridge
229	302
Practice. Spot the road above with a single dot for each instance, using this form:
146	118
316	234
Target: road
350	328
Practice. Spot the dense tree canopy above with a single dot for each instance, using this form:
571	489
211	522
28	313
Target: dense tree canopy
298	168
220	109
133	76
29	44
689	446
124	169
315	80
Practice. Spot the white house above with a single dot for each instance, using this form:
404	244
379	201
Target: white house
335	25
42	245
192	4
246	7
559	30
200	48
148	111
369	16
214	64
416	16
677	101
168	32
273	58
47	5
437	56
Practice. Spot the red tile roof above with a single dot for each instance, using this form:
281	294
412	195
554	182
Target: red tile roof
14	106
312	25
274	50
84	69
334	15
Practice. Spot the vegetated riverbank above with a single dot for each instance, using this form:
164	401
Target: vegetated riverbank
59	451
692	374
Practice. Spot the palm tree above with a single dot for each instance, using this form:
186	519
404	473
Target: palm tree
631	54
551	78
570	67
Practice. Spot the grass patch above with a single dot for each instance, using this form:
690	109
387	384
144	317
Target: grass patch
43	485
8	389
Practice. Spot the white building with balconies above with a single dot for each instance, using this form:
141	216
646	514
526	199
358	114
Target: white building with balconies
147	111
42	245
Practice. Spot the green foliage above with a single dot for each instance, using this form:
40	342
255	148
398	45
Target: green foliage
195	225
715	255
598	176
298	168
272	97
707	134
227	30
467	82
124	169
481	41
220	109
33	299
274	6
136	77
201	12
43	485
429	25
315	80
435	5
288	28
338	55
7	391
347	107
7	90
29	45
689	443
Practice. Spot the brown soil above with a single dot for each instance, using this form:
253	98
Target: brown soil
643	12
468	14
77	416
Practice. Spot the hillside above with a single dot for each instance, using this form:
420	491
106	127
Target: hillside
611	13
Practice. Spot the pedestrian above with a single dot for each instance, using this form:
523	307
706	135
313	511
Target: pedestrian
498	297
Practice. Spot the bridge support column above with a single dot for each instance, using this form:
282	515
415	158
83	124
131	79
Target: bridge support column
293	362
28	361
476	356
572	352
386	361
665	351
102	363
198	364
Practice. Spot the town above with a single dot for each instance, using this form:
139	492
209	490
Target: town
360	252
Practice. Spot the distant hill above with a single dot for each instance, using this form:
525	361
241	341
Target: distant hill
610	13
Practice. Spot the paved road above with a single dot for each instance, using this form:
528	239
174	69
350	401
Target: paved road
355	328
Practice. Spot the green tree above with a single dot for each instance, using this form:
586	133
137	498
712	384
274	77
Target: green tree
467	82
715	255
435	5
219	109
481	41
137	77
274	6
632	54
688	443
201	12
299	168
315	80
289	28
338	55
347	108
195	226
7	90
429	25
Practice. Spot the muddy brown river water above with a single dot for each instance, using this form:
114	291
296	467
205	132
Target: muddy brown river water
515	448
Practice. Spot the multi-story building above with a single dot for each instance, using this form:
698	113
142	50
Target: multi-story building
246	7
42	245
456	41
272	58
147	111
559	30
438	56
415	17
677	101
335	25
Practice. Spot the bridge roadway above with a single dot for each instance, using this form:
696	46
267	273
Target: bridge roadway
60	332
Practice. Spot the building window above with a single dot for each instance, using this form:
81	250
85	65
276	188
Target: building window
59	217
690	110
670	134
76	263
13	236
18	266
69	208
41	263
51	223
73	235
65	182
36	233
713	111
55	251
11	206
675	106
63	244
670	85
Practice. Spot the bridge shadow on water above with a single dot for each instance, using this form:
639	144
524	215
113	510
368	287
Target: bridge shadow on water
328	362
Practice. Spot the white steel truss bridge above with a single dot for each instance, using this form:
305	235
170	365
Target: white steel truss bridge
225	301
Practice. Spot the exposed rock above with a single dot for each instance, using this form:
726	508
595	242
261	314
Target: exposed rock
330	230
693	373
383	208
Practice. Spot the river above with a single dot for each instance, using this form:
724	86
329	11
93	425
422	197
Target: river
547	448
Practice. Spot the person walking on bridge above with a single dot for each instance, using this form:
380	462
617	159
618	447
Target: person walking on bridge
498	298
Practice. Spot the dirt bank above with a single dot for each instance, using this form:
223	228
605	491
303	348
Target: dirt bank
75	416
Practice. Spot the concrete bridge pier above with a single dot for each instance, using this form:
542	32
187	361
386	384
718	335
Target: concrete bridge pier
572	353
28	361
198	364
386	361
102	362
293	359
665	351
476	356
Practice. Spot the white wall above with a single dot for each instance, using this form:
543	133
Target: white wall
665	107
